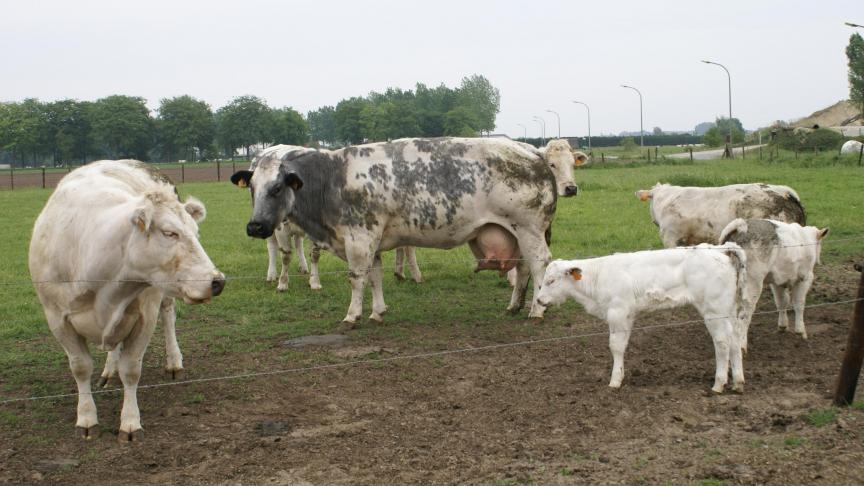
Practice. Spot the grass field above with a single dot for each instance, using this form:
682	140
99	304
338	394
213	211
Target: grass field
451	308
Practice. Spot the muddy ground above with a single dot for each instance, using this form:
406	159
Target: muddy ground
539	413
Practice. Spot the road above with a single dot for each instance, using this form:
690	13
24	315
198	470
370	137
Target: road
712	154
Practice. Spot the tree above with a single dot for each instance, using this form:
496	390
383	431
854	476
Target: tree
482	99
347	116
855	54
460	122
289	127
716	135
122	126
185	123
628	144
244	122
657	131
322	125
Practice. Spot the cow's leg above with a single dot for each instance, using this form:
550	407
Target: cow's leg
620	325
81	364
411	256
799	296
722	333
314	278
286	262
376	279
512	276
752	291
173	357
669	238
781	299
272	254
129	366
301	254
361	258
536	255
520	287
398	267
109	372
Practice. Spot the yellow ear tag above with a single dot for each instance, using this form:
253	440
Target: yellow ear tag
644	195
141	226
576	273
242	183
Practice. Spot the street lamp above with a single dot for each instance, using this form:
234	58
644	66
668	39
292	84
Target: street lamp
542	123
728	152
559	121
641	131
589	123
850	24
524	131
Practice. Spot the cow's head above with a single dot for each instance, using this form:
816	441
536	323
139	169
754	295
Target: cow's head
561	280
820	234
272	185
164	248
560	158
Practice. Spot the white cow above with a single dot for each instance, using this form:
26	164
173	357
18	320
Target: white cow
851	147
693	215
782	255
617	287
111	244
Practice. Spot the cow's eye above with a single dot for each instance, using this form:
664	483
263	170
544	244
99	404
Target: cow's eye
170	234
552	165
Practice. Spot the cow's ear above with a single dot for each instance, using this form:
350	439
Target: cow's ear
143	216
643	195
575	273
293	181
195	208
822	233
241	178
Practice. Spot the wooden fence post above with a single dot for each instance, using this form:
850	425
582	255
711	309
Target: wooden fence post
743	153
760	153
656	151
218	172
233	167
182	173
43	177
851	367
860	153
602	157
691	154
12	177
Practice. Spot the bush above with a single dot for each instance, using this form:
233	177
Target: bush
820	139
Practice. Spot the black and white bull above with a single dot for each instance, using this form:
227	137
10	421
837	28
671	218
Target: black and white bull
435	193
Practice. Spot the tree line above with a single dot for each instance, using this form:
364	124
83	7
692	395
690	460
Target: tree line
63	132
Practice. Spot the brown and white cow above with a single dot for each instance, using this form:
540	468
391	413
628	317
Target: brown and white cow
111	244
436	193
693	215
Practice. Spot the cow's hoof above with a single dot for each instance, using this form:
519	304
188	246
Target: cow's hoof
717	389
418	280
399	277
348	324
304	271
315	286
513	310
107	381
174	374
803	334
88	433
281	288
271	279
738	388
134	436
376	317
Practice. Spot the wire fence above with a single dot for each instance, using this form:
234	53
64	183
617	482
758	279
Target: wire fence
431	354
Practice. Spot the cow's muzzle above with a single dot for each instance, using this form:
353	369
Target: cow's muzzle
259	230
570	191
217	285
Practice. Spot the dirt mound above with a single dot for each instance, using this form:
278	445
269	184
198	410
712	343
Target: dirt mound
842	113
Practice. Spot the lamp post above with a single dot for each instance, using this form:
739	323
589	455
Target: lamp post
542	123
589	123
641	131
728	152
850	24
559	121
524	131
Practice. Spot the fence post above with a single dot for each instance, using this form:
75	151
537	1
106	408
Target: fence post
743	153
649	155
12	176
656	151
860	152
796	153
218	172
233	167
760	153
182	173
691	154
43	177
602	157
851	367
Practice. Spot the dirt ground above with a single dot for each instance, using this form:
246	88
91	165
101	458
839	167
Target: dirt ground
540	414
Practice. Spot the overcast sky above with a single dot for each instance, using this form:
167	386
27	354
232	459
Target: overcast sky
786	57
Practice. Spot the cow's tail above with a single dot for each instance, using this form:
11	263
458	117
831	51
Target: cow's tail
733	227
738	258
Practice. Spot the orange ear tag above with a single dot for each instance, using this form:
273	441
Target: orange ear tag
576	273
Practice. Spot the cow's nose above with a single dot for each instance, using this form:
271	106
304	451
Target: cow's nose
570	191
257	230
217	285
542	304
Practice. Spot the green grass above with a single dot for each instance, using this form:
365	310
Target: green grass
821	418
452	308
793	442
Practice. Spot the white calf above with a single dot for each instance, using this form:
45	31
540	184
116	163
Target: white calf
781	254
617	287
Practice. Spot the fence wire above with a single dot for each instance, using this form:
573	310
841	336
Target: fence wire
431	354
